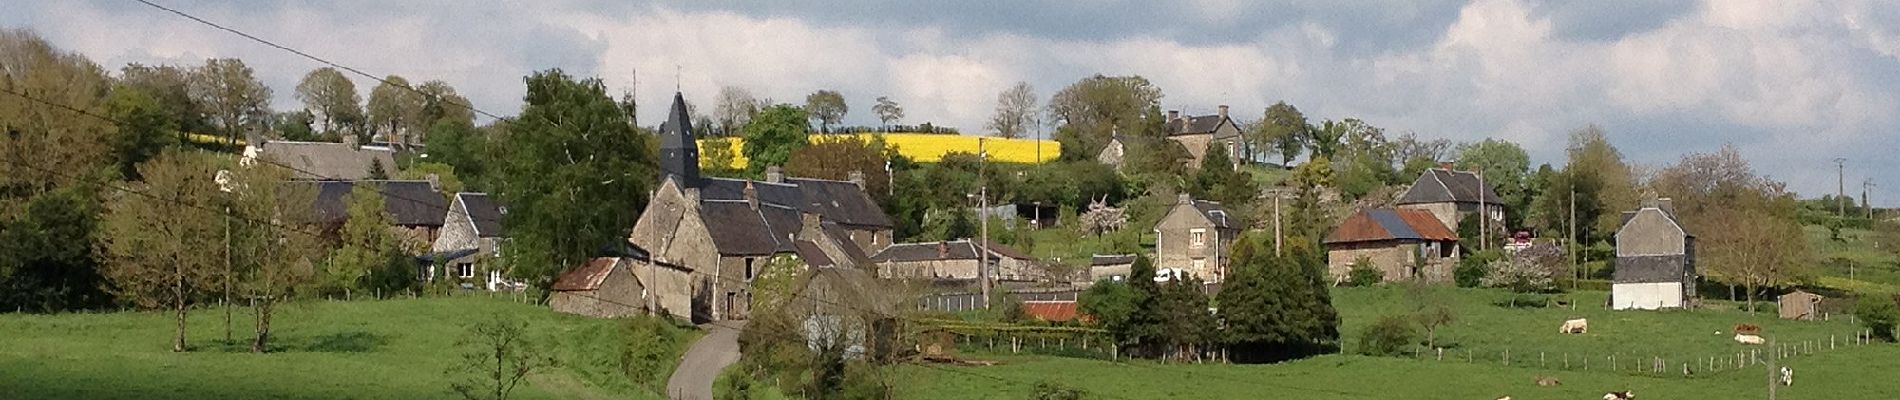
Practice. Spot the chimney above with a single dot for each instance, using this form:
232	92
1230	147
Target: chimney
751	195
435	182
856	177
774	174
1174	115
1445	165
943	249
1667	206
1186	199
1223	111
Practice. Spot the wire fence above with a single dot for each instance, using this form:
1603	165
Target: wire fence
1652	364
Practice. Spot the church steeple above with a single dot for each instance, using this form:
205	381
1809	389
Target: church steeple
679	153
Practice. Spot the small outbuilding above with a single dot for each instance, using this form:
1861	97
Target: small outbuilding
1800	305
1402	243
602	287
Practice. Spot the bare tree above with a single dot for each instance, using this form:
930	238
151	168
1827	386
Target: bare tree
1015	111
500	355
735	107
888	111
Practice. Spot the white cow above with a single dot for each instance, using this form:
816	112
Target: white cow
1623	395
1575	326
1748	339
1787	376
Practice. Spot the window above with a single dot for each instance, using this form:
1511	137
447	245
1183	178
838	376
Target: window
748	267
465	270
1197	237
1200	265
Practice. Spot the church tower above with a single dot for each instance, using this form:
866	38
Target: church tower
679	153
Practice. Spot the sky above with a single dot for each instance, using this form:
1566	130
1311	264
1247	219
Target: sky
1793	85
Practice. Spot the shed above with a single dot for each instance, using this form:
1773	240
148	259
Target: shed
602	287
1800	305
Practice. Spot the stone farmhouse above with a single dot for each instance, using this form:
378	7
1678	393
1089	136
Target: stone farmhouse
416	207
628	284
1197	132
1111	267
1402	243
1452	195
724	230
955	260
1655	260
470	240
323	161
1193	239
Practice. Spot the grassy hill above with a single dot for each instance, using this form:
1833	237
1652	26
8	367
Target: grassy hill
1483	331
396	349
1872	269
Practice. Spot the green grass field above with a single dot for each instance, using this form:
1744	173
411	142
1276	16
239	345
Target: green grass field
1486	331
395	349
1874	270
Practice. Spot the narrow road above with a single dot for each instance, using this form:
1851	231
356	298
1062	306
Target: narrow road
693	379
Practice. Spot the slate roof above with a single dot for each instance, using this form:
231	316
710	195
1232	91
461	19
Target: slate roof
812	255
327	161
1214	212
411	203
1194	125
679	154
1111	259
1651	269
847	290
944	250
1440	185
484	213
739	230
1390	224
588	276
851	249
837	201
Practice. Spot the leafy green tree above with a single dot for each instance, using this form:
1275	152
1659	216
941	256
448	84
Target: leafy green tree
1089	111
1142	332
161	248
500	354
1878	314
836	158
1016	111
888	111
1283	129
171	87
1504	166
772	136
1602	184
1390	336
1218	180
445	176
368	247
236	102
144	128
440	103
1277	308
394	109
331	97
1188	328
826	107
41	270
574	167
464	148
275	243
1364	273
1110	303
295	125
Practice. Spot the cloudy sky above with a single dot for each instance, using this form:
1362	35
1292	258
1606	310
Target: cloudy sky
1792	84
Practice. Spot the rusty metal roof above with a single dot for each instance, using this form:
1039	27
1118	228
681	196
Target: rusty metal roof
1390	224
588	276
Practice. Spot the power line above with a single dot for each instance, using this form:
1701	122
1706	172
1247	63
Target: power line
321	60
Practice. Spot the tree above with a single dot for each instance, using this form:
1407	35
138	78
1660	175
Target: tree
771	136
499	356
161	244
1364	273
1282	129
1110	303
1431	309
276	240
1390	336
1094	108
295	125
443	174
463	148
574	166
236	102
1218	180
837	158
716	156
734	109
143	131
440	103
1532	270
1602	183
49	159
888	111
1015	112
826	107
369	250
330	96
1503	165
1277	308
1742	221
41	270
171	87
376	171
1187	328
1142	331
394	108
1878	314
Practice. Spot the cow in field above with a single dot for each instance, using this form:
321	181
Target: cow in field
1787	376
1623	395
1575	326
1747	329
1748	339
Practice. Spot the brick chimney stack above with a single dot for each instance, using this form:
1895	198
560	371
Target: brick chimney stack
1445	165
857	177
774	174
751	195
1174	115
1223	111
943	249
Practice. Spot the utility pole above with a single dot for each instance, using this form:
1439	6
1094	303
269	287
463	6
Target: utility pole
1572	238
983	204
1771	369
1866	186
1276	224
1484	213
1840	174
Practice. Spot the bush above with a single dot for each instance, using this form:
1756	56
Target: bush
1472	269
1055	391
1390	336
1878	314
648	350
1364	273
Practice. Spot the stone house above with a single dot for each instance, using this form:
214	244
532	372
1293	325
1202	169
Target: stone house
467	248
416	208
1799	305
601	287
1452	195
1111	267
1115	153
1197	132
1193	239
321	160
956	260
1402	243
1655	260
847	308
724	230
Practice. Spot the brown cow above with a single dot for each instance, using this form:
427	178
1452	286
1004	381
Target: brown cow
1747	329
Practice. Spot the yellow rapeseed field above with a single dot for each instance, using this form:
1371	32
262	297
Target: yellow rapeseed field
924	147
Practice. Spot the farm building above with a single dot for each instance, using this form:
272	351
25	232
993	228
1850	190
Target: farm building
1799	305
465	249
955	260
725	229
323	161
1052	310
1402	243
1112	267
847	308
1655	260
1452	195
602	287
1193	238
1197	133
415	206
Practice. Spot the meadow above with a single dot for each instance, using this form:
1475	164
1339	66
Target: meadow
922	147
391	349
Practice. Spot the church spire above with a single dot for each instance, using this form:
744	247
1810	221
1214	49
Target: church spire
679	153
